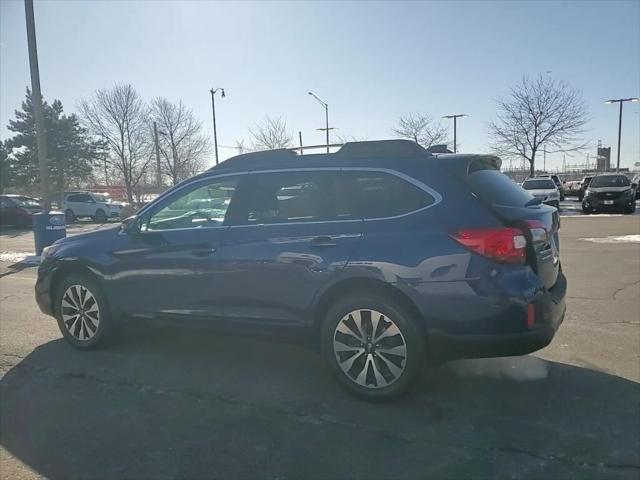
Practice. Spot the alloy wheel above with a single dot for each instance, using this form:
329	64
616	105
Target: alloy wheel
80	312
370	348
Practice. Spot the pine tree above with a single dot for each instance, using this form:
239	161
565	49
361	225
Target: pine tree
70	151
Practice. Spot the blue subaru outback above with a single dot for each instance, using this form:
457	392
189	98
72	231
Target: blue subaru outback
383	253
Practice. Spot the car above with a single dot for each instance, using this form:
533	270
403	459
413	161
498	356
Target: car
381	254
543	189
98	206
610	191
635	183
16	210
584	184
560	184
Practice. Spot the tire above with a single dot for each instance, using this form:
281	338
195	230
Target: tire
586	210
69	216
371	373
630	210
100	216
96	328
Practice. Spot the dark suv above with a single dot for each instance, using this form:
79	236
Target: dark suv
382	253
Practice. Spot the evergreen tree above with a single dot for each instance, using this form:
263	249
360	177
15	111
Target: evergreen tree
70	151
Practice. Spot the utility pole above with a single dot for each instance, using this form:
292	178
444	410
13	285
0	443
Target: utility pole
544	159
455	129
36	97
620	101
213	110
158	171
300	137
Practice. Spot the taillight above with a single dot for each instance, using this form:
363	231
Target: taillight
506	245
539	233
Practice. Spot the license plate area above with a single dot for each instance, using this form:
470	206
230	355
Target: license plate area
608	202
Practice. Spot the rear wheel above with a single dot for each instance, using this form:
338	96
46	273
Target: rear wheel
100	217
82	313
373	346
69	216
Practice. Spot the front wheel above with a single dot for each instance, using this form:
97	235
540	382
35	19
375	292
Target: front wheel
100	217
69	216
82	313
373	347
631	209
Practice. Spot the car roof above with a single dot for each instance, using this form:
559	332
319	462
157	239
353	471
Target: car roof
16	195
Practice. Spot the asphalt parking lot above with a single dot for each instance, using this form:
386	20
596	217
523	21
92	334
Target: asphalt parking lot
168	403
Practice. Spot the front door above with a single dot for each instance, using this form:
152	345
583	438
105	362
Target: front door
172	266
290	233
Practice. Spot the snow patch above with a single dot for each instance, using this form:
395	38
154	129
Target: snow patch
19	257
613	239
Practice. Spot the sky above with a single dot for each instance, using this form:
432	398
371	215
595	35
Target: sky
370	61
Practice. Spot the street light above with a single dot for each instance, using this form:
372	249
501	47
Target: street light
620	101
213	109
455	129
326	114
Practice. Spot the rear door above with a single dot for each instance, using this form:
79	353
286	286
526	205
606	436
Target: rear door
290	233
517	208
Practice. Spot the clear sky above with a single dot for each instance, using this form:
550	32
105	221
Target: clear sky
371	61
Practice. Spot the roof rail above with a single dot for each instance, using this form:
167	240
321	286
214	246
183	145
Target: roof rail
382	148
259	156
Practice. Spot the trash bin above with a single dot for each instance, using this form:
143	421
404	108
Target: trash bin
47	228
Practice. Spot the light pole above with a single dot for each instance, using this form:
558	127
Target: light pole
213	109
455	129
326	115
620	101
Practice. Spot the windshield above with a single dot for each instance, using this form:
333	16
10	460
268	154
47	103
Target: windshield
610	181
26	202
542	184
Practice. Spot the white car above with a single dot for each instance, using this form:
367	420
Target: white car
545	189
98	206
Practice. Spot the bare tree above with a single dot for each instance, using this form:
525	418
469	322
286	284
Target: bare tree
118	116
183	147
342	138
537	114
271	134
421	129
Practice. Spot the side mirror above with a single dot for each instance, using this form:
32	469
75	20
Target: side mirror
130	225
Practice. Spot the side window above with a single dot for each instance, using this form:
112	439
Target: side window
308	196
385	195
84	198
203	206
74	198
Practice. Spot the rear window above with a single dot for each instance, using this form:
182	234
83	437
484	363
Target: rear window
610	181
492	186
538	185
384	195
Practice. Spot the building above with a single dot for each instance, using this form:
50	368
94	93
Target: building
604	157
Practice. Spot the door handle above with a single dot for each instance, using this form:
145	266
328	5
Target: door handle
323	241
204	250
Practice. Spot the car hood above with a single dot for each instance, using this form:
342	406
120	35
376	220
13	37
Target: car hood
92	236
609	189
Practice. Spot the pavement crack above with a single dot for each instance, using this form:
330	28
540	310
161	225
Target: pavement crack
628	285
320	419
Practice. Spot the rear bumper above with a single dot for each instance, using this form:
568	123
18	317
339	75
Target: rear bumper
550	309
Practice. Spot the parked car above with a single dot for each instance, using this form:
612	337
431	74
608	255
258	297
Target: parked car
98	206
559	184
583	187
543	189
381	253
635	183
16	210
610	192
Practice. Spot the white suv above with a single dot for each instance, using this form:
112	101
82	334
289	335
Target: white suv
98	206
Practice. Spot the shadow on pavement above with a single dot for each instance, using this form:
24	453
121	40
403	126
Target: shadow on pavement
166	403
